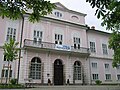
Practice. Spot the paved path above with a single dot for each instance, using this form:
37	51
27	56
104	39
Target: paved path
71	88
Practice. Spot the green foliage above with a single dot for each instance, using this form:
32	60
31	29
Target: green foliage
98	82
15	9
11	50
108	11
13	81
114	43
10	86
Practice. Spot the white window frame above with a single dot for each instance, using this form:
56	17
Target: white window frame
77	71
94	65
37	37
58	39
5	73
58	14
108	77
118	77
107	66
11	33
104	48
95	76
76	41
35	70
92	47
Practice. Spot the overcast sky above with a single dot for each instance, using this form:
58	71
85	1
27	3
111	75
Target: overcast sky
83	7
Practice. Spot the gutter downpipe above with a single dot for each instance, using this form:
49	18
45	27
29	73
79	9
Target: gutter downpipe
21	36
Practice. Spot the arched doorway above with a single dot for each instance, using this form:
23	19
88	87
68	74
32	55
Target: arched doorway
58	72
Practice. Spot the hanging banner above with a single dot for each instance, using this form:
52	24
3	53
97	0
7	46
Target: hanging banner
63	47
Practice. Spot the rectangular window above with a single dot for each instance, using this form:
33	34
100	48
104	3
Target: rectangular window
37	37
5	73
108	76
11	33
5	58
58	39
94	65
92	47
107	66
76	41
95	76
104	47
118	77
118	67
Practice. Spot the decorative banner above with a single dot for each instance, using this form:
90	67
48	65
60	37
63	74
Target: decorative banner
63	47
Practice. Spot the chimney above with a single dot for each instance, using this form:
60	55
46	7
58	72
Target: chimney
93	27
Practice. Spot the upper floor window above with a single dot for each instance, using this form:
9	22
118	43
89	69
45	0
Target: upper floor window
107	66
94	65
104	47
118	67
58	14
92	47
11	33
76	42
37	36
108	76
58	39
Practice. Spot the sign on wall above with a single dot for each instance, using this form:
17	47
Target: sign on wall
63	47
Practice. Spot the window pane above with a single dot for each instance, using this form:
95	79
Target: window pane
10	73
35	33
6	73
3	71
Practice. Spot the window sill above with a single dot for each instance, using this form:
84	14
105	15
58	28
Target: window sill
108	80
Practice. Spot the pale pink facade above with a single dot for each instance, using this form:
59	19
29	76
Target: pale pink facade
57	48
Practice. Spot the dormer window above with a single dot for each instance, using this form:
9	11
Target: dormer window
58	14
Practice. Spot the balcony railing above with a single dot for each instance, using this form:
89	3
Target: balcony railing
53	46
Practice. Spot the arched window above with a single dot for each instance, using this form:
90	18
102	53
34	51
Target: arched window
77	70
35	68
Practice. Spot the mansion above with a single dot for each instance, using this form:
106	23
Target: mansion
61	48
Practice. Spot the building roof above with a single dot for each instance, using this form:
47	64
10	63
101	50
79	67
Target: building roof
62	7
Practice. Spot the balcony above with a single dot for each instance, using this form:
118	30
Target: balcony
54	47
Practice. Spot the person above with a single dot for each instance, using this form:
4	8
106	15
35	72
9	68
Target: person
68	82
49	82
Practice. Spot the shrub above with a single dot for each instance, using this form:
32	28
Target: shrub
98	82
13	81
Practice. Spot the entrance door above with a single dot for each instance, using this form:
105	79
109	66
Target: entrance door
58	72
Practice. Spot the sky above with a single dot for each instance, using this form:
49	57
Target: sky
83	7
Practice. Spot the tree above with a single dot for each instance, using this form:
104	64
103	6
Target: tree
10	52
15	9
114	43
109	12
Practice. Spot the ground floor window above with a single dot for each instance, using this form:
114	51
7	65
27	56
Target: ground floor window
95	76
77	70
108	76
5	73
118	77
35	68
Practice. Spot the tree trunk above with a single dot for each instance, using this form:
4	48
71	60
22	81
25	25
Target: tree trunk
7	78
